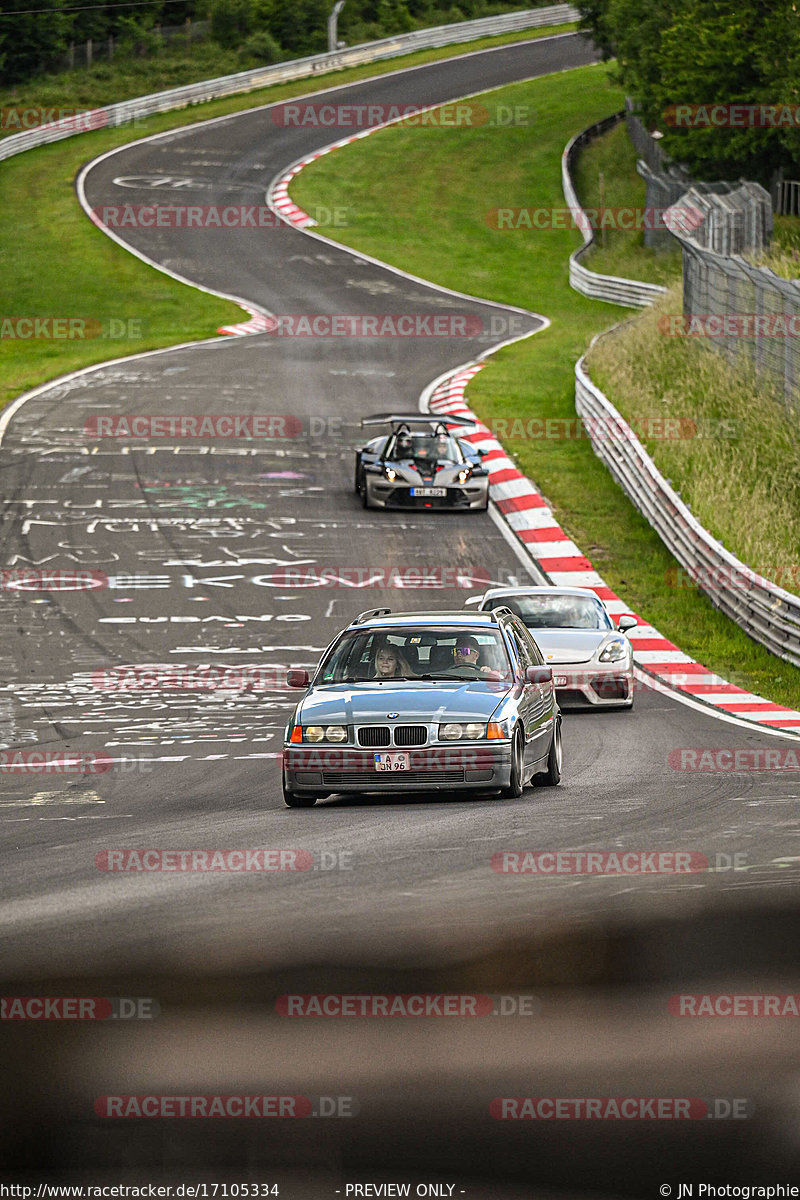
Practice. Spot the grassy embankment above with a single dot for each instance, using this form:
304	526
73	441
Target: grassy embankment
431	219
55	263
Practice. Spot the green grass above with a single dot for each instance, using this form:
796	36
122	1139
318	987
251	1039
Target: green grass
783	256
107	83
431	219
55	263
749	460
624	252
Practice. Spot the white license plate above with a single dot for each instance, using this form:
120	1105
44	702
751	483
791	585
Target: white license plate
560	680
391	762
429	491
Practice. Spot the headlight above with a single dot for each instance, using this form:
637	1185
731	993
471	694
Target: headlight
463	476
326	733
454	730
614	651
390	473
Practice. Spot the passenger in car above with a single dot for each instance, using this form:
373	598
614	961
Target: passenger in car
390	664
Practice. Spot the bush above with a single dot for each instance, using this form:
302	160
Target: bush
232	22
260	48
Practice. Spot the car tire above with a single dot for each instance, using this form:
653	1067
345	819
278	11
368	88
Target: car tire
552	776
297	799
514	789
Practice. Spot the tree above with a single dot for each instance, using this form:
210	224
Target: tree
712	54
34	41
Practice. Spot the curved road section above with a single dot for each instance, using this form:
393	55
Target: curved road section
215	562
143	708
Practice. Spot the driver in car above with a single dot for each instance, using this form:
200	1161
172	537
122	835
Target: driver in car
466	653
402	446
441	447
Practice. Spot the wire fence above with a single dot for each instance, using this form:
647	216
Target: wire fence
744	312
84	54
786	198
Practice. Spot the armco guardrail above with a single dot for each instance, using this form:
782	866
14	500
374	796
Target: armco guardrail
298	68
768	613
630	292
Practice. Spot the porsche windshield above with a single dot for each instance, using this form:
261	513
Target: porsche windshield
557	612
427	446
409	653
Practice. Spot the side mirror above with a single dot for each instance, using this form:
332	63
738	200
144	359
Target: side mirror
297	678
626	621
480	452
539	674
472	601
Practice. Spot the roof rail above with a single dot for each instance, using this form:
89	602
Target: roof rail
369	613
502	610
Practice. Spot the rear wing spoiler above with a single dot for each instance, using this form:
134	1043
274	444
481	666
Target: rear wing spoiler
415	419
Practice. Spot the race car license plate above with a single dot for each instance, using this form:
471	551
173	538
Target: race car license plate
391	762
428	491
560	680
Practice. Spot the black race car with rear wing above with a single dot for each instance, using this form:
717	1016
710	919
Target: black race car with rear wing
421	463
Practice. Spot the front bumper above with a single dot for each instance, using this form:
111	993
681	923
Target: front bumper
593	685
476	766
473	494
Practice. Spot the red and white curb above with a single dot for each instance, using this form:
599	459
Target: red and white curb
532	521
278	196
258	323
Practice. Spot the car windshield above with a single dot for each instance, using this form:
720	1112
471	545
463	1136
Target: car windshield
426	445
416	653
557	611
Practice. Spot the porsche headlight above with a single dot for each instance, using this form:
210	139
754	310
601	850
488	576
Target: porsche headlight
613	651
453	731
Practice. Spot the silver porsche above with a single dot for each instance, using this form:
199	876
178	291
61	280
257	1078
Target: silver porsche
591	657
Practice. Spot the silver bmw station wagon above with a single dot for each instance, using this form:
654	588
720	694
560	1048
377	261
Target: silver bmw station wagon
424	701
